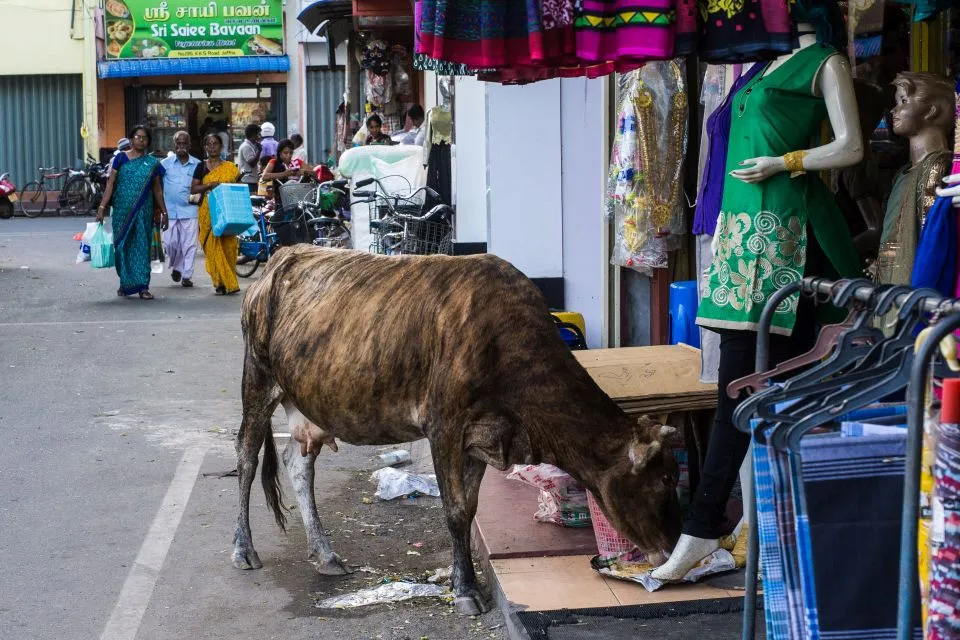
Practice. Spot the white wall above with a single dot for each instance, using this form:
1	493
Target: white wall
35	37
582	175
531	162
471	136
523	151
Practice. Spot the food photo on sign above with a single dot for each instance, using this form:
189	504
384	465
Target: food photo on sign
190	29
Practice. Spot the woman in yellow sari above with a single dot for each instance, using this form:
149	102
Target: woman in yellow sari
221	253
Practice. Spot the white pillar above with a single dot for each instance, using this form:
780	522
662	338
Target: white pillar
89	87
295	74
472	176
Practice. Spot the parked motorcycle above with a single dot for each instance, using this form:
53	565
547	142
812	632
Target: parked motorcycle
8	196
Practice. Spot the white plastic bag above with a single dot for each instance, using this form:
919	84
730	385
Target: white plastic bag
83	255
562	500
393	483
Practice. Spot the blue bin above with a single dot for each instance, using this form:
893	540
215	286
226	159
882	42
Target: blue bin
231	212
683	313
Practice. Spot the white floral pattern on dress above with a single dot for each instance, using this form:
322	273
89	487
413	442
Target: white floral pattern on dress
756	255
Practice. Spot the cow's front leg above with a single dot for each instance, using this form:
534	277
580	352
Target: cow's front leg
301	472
459	479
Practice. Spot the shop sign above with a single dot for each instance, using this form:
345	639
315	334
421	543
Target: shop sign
193	29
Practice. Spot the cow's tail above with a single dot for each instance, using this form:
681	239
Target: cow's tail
270	477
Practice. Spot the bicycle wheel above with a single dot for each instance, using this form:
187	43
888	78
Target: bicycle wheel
33	199
246	266
76	196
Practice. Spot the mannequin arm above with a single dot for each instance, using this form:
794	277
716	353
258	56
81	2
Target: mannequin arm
953	191
846	149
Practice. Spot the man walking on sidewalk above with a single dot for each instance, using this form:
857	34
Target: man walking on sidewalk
181	237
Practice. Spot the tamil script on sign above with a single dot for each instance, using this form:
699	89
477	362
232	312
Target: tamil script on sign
188	28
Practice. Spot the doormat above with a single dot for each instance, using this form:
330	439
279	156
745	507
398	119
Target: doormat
719	619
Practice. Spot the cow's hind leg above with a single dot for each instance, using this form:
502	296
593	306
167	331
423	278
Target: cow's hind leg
459	478
259	401
301	469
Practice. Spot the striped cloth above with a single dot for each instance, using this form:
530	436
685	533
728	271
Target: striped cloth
829	529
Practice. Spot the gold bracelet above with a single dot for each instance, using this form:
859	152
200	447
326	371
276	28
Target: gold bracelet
793	162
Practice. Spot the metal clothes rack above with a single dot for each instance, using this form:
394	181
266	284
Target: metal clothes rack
949	312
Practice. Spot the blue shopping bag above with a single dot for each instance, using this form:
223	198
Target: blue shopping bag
101	249
231	212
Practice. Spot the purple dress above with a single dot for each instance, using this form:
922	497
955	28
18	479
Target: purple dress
718	131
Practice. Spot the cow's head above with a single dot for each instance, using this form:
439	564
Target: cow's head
638	492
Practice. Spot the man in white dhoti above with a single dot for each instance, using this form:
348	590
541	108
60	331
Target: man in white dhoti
182	236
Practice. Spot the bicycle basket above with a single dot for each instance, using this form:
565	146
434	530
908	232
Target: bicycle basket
428	238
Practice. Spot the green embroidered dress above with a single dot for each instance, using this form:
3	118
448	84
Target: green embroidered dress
761	241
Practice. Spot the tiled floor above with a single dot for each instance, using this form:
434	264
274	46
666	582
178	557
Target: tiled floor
568	582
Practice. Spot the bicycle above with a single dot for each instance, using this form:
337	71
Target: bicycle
399	225
312	211
83	190
33	195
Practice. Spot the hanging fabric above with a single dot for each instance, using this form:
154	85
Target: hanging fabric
644	183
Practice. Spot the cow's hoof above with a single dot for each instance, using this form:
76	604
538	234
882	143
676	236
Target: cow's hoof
470	605
246	559
332	566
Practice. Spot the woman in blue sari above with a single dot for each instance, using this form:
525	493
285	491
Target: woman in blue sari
135	194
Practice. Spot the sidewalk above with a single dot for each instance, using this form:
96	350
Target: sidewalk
539	567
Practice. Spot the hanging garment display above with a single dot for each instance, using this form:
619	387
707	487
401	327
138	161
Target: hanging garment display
745	30
943	594
644	183
761	236
374	56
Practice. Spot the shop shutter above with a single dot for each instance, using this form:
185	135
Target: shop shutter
40	119
324	95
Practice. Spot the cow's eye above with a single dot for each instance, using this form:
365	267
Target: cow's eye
667	479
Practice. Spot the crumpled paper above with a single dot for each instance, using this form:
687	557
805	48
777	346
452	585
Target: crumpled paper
393	483
391	592
625	567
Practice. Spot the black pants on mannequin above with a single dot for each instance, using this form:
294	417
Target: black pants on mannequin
728	445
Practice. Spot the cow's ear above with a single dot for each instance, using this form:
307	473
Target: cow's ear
641	453
666	431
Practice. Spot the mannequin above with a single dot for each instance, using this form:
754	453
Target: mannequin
437	140
924	115
762	243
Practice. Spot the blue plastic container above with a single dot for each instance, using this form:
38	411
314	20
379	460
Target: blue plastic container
683	313
231	212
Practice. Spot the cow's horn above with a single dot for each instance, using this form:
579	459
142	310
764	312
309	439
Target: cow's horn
666	431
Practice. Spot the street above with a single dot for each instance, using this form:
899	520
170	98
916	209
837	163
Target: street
119	416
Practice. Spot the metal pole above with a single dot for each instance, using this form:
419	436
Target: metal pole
753	536
909	579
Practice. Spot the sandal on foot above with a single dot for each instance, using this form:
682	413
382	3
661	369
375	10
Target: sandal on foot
187	282
175	275
221	291
230	293
146	295
119	293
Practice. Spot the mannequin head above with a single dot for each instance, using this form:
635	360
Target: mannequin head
446	89
826	18
924	101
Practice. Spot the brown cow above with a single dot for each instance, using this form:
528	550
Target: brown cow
377	350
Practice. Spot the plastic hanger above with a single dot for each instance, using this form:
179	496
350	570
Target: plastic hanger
851	346
893	375
882	359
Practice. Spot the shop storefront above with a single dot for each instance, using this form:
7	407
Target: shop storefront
181	65
667	118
